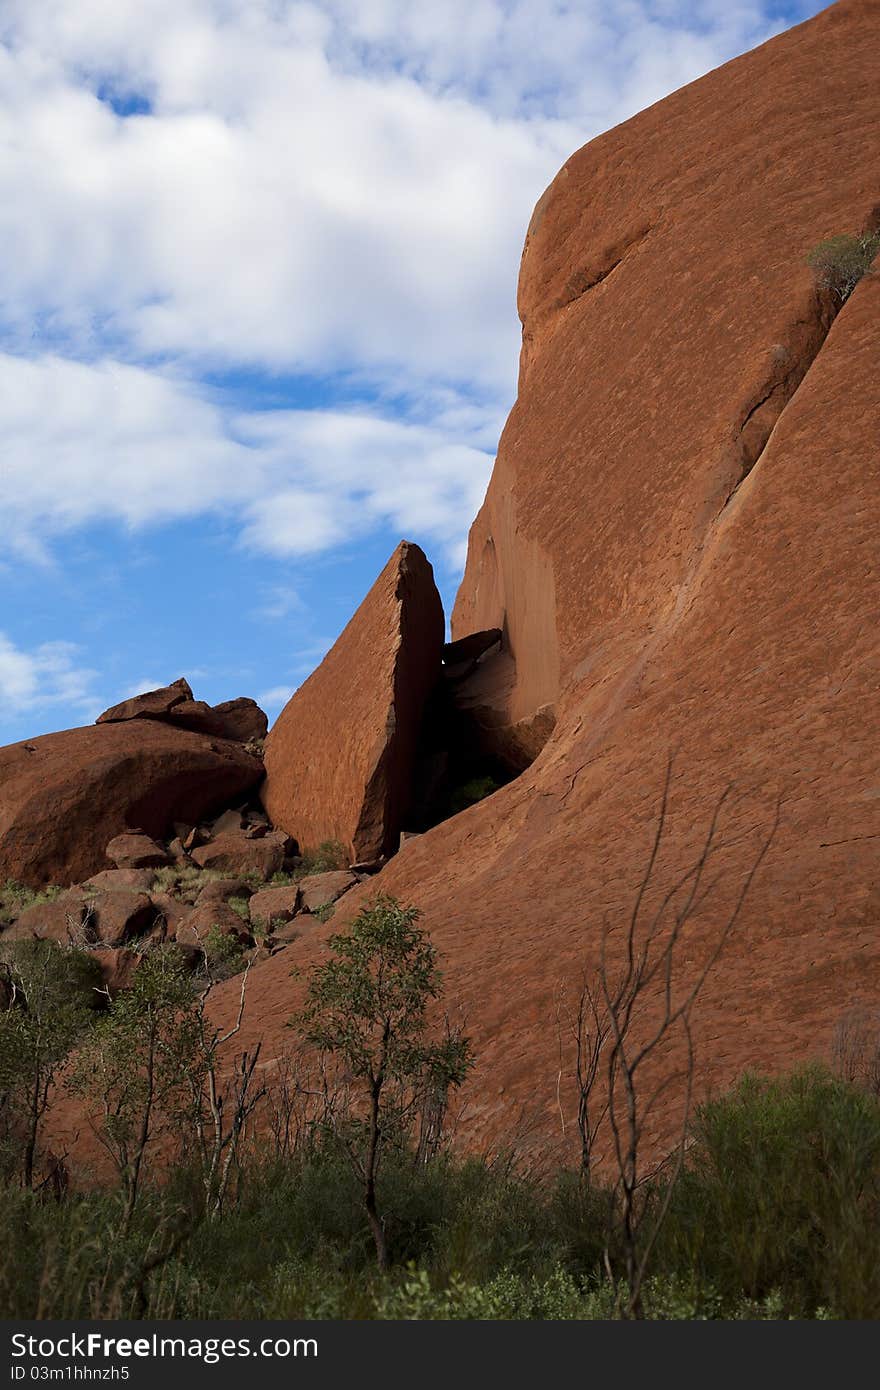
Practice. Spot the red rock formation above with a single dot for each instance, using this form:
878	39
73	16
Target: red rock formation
63	797
152	704
240	719
340	758
679	544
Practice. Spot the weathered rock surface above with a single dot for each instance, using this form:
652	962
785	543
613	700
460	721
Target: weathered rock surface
273	905
134	850
62	919
141	880
317	890
679	545
240	719
63	797
340	758
208	918
238	854
220	890
153	704
119	916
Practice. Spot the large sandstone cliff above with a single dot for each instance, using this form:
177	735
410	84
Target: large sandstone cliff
679	544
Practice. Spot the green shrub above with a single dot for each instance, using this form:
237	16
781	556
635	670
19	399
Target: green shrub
326	857
781	1193
469	793
840	262
15	897
224	953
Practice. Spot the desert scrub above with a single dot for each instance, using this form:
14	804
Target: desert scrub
781	1192
224	953
326	857
15	897
840	262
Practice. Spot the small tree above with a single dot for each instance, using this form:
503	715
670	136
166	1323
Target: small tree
629	1011
221	1105
840	262
51	995
367	1008
136	1067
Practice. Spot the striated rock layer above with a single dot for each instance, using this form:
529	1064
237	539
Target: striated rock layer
679	545
340	757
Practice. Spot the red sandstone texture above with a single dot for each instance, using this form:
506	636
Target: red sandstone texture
340	758
64	797
679	544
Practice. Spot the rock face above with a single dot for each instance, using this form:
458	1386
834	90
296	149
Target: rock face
679	546
340	758
63	797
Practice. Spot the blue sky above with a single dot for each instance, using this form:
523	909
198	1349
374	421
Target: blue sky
257	307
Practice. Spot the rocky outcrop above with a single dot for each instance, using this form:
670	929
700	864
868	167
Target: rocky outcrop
340	758
241	720
673	569
152	704
63	797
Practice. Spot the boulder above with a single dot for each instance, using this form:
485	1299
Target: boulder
134	850
220	890
241	719
238	854
63	919
118	966
153	704
229	821
340	757
141	880
271	905
64	796
207	917
169	913
119	916
317	890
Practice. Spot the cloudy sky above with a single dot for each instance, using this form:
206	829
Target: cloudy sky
257	297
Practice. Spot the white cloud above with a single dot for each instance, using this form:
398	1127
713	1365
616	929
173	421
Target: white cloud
315	186
49	674
308	188
85	443
279	601
274	700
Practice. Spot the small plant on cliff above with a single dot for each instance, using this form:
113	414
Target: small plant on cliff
840	262
366	1009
